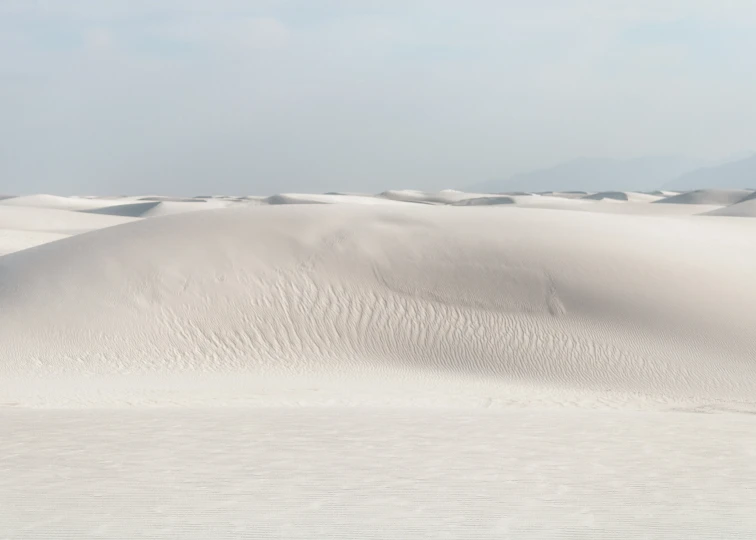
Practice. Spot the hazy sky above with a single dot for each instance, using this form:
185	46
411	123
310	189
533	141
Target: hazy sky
265	96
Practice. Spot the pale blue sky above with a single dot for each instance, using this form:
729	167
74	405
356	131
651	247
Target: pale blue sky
186	97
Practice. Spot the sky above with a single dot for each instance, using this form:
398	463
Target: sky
195	97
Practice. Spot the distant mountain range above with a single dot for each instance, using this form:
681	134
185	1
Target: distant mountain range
596	174
640	174
736	174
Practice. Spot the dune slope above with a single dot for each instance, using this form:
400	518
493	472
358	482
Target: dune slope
157	208
745	208
53	220
708	196
446	196
14	240
486	201
326	198
58	203
622	196
564	299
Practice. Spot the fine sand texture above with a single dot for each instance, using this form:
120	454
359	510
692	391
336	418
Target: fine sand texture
400	365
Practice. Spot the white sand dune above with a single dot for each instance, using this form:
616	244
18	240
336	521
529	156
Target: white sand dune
24	227
324	198
564	194
58	203
54	221
663	192
622	196
549	367
568	299
446	196
486	201
608	206
749	197
164	198
158	208
611	195
708	196
635	206
12	240
350	193
746	208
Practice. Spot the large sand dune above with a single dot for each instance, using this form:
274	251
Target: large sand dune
407	365
570	299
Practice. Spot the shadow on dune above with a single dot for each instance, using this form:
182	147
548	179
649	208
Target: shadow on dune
126	210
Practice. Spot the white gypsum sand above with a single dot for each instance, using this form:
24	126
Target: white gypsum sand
408	365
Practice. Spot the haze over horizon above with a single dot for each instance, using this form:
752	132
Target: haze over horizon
284	95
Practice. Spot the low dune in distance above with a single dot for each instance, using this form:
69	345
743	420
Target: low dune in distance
623	196
156	208
57	202
745	208
708	196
